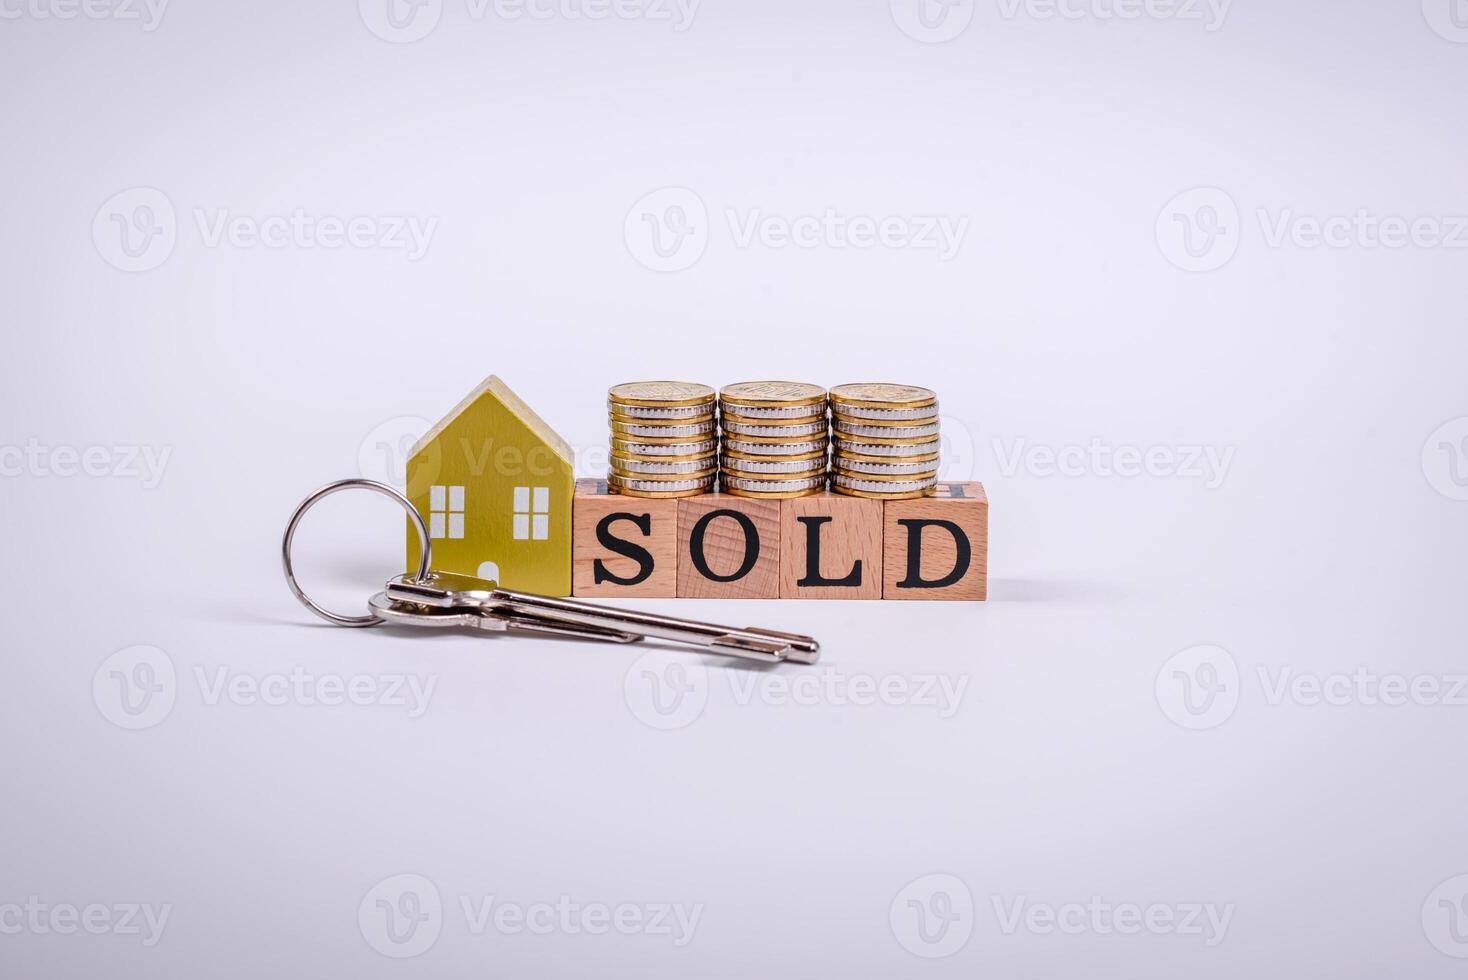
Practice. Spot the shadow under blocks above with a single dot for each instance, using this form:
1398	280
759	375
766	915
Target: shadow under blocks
826	546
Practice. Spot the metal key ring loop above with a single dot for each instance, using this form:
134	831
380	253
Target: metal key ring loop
424	563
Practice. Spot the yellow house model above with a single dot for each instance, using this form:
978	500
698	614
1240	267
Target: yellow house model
495	484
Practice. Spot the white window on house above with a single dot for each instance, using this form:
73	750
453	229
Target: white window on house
446	512
532	514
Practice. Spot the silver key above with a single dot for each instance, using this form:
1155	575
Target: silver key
443	599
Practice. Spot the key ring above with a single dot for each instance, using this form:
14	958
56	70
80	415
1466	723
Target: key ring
424	562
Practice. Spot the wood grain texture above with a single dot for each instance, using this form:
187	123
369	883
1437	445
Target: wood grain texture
734	554
951	529
651	572
849	547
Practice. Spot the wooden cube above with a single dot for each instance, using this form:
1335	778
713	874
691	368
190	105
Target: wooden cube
622	546
830	547
937	547
728	547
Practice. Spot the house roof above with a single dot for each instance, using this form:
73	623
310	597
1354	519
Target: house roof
492	386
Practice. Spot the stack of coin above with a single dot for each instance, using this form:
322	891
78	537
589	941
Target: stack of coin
886	440
664	440
775	436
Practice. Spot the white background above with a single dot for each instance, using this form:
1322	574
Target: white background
1121	733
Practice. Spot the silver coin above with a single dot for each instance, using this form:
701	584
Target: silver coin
859	448
735	427
623	447
888	414
774	486
916	470
734	444
628	465
662	431
762	467
886	431
658	412
753	414
661	486
883	486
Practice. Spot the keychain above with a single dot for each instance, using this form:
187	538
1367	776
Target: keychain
437	599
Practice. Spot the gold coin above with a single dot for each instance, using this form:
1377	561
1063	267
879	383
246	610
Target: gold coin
796	440
772	394
655	433
877	395
633	465
706	418
663	450
809	473
905	495
624	474
878	433
767	495
931	472
885	423
768	430
652	488
664	394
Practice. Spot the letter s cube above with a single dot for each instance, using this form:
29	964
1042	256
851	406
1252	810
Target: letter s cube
622	546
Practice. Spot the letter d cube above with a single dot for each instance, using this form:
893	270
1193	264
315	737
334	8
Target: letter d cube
937	547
